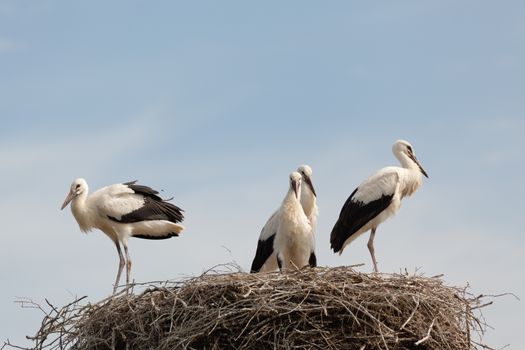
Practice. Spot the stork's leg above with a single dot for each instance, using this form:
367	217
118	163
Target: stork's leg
371	248
120	266
128	264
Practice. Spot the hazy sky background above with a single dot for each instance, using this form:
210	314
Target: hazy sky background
217	102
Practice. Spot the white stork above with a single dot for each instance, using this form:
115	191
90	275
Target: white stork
376	199
265	259
294	243
122	211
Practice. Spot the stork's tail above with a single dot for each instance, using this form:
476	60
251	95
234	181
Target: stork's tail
177	228
160	229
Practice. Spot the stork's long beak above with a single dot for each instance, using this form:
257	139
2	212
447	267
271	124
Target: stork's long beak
68	199
310	185
413	157
295	186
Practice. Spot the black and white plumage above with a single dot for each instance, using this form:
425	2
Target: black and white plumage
376	199
122	211
265	259
294	242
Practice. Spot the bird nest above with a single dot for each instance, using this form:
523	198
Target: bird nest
312	308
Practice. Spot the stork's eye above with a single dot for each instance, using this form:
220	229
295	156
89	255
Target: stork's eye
409	149
77	186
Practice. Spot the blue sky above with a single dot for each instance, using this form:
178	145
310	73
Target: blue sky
217	102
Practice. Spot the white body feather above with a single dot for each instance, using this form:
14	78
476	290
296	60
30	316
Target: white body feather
309	204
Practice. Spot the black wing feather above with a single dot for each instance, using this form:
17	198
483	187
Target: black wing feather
264	251
169	235
355	215
313	260
143	190
154	208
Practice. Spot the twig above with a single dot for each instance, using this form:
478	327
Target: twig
424	339
412	314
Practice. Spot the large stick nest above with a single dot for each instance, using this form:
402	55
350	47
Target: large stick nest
321	308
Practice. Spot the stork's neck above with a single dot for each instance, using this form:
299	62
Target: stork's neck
291	196
406	162
307	200
81	211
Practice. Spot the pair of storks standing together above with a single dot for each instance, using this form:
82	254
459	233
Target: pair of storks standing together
287	240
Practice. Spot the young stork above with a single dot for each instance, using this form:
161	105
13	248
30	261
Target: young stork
122	211
265	259
294	242
376	199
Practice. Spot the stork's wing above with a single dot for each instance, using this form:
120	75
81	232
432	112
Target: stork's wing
270	228
383	182
154	210
366	202
312	261
128	203
265	243
264	251
143	190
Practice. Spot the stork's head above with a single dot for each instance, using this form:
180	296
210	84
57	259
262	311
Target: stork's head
306	173
404	148
78	187
295	183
